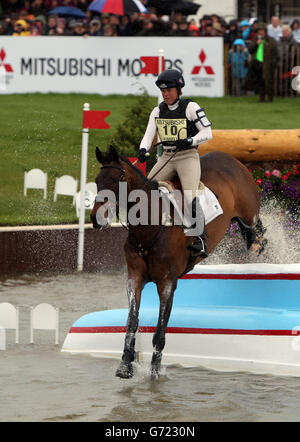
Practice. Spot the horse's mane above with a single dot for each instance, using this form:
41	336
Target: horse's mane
153	184
112	155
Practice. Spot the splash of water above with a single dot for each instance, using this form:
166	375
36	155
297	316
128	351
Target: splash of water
283	241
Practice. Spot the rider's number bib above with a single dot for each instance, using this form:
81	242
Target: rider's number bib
171	129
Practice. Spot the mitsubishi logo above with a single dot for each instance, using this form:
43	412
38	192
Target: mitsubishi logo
208	69
6	66
5	71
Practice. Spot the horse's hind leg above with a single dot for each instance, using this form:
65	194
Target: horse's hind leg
260	230
134	288
166	291
247	232
258	246
253	235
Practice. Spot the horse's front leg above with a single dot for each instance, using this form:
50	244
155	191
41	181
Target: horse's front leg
134	289
166	293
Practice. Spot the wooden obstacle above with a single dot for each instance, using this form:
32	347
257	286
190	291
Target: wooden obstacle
256	144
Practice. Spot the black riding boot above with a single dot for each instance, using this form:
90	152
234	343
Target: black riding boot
199	248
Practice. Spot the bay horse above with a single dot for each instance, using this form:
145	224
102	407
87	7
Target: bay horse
160	254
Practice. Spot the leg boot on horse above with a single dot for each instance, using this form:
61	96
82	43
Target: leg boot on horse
166	292
134	289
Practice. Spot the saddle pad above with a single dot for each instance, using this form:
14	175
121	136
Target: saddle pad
208	200
210	204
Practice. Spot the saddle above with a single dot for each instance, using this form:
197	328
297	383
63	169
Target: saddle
207	198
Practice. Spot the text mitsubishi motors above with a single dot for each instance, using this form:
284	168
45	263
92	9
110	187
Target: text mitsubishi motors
107	65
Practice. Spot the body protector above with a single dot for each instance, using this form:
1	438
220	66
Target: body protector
172	125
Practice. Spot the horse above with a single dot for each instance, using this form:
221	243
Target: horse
160	254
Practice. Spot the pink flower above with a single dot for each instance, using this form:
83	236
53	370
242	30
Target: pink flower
267	173
276	173
259	181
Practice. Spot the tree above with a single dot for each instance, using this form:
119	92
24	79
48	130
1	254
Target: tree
130	132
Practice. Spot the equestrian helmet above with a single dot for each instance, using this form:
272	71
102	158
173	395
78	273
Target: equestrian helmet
170	78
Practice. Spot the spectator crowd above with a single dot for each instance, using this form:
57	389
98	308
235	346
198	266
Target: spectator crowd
33	18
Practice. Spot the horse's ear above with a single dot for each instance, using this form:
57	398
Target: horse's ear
99	155
112	151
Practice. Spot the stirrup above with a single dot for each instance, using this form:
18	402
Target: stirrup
199	247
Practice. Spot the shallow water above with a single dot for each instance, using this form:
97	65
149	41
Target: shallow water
39	383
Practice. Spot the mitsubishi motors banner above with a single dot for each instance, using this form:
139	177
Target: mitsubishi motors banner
107	65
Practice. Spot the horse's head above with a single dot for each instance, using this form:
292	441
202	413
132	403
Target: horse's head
111	174
112	170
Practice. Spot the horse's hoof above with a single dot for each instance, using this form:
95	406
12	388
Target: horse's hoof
155	373
263	242
125	371
154	376
259	246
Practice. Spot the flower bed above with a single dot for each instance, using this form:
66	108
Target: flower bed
281	185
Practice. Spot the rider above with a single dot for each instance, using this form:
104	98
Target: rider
181	125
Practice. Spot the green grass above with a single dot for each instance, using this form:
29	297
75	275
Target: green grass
44	131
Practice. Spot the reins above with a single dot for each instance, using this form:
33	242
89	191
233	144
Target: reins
164	164
156	173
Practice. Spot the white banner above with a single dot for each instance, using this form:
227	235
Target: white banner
107	65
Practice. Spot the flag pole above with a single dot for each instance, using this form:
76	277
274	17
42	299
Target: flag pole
84	157
160	69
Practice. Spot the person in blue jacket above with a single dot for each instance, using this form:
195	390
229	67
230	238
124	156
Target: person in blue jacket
245	29
238	65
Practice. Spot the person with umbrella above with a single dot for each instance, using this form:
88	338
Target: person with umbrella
121	7
181	126
68	11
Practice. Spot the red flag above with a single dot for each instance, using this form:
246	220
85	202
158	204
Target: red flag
152	65
95	119
141	166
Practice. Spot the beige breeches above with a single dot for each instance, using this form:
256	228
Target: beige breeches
186	164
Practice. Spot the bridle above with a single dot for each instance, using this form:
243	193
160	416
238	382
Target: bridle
143	251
